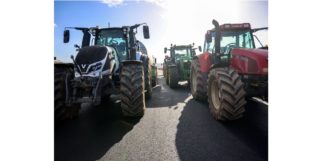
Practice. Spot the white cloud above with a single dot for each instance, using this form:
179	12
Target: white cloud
161	3
55	25
113	3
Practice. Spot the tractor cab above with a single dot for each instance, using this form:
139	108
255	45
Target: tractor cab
122	39
113	37
181	52
230	36
236	48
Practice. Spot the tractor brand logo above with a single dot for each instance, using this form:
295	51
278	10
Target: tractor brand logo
83	66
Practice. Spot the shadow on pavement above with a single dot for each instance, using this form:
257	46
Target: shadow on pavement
90	136
164	96
200	137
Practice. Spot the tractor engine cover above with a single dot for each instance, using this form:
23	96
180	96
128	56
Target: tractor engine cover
250	61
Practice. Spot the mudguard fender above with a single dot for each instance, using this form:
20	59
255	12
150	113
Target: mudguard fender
205	62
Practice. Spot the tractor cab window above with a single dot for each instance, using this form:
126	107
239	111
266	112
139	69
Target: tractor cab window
245	40
115	39
231	39
209	46
182	52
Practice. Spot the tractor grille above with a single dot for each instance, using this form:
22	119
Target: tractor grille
187	65
252	66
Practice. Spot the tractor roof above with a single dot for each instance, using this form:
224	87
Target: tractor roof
181	46
97	27
234	26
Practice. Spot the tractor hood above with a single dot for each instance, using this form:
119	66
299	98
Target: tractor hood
250	61
260	53
90	55
93	60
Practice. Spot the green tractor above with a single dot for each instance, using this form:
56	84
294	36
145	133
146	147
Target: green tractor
177	66
154	71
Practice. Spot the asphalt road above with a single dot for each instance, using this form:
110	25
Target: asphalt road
174	127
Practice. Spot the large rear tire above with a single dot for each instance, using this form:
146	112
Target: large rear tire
173	76
226	94
132	90
198	81
62	76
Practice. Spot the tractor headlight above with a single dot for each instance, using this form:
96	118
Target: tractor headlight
93	70
95	67
77	74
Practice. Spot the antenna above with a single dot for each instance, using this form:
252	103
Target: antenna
108	24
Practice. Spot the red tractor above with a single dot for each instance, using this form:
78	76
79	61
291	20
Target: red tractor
229	70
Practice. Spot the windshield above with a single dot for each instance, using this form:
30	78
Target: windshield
231	39
113	38
182	52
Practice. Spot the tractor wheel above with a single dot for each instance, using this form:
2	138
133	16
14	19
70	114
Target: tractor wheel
165	74
173	77
132	90
167	79
147	80
188	83
198	81
154	76
226	94
154	82
62	112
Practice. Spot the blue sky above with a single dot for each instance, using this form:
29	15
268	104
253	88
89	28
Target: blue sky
170	21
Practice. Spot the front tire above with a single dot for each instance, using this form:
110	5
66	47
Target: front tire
173	76
165	74
226	94
198	81
154	82
62	76
154	76
147	80
132	90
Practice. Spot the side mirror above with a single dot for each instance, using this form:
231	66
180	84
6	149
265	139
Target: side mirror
208	38
199	47
146	32
77	46
193	53
66	36
165	50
